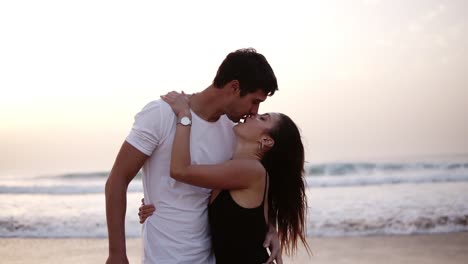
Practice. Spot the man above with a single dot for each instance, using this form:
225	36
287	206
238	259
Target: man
178	232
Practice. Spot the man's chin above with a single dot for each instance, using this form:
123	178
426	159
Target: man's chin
235	119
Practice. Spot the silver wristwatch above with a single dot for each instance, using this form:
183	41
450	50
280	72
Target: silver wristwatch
185	121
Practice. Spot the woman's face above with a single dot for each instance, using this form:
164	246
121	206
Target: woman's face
256	125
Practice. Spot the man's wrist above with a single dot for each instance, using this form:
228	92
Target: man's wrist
118	251
271	227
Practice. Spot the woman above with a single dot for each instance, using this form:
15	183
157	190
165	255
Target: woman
263	180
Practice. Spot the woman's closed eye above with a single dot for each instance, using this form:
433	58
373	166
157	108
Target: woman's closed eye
264	117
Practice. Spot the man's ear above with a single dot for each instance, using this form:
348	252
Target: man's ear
234	84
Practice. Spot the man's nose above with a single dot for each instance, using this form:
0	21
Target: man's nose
254	110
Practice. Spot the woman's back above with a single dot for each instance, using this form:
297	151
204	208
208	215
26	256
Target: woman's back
237	232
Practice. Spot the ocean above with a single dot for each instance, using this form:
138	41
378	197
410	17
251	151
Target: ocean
345	199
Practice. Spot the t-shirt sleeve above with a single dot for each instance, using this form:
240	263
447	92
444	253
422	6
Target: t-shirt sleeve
147	131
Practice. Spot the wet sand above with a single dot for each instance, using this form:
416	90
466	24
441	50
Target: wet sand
440	248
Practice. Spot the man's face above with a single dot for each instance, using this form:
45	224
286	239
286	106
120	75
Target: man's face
241	107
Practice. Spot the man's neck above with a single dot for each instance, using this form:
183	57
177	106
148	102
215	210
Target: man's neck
208	104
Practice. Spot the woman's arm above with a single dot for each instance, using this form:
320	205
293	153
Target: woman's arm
233	174
229	175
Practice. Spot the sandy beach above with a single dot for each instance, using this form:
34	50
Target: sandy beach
440	248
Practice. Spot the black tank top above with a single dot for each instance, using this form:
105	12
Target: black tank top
237	233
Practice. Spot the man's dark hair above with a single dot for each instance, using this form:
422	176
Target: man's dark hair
250	68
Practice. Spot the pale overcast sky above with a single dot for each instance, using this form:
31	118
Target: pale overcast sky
365	80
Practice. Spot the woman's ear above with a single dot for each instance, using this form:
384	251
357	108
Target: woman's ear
268	142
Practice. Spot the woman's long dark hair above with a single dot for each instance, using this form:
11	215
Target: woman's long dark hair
287	200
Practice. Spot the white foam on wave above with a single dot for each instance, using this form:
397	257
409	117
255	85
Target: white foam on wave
335	211
62	215
360	199
57	186
324	175
388	209
356	174
357	180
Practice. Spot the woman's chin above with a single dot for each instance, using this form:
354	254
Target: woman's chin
236	128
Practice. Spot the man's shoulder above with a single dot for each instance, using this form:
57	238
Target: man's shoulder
155	104
224	119
159	107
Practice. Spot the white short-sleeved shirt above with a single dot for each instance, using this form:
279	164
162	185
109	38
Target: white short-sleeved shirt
178	231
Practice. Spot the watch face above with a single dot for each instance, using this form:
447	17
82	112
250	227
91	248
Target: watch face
185	121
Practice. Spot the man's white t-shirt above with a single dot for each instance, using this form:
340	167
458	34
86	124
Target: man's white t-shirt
178	231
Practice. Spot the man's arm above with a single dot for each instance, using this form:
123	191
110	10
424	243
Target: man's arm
127	164
272	242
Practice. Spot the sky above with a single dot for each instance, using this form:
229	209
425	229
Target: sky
364	80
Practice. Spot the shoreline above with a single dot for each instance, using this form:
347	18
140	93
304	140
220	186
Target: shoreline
428	248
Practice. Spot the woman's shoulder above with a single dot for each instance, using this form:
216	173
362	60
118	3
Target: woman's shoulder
252	167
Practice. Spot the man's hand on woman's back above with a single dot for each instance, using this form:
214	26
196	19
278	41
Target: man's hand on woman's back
145	211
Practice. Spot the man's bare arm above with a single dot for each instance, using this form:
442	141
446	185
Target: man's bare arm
272	242
127	164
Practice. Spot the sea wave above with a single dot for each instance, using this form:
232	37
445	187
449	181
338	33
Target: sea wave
390	226
317	175
352	227
356	174
84	175
359	180
347	211
59	189
343	169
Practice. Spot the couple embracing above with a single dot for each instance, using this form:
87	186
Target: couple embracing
224	190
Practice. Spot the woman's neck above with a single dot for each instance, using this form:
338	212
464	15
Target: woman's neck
247	150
